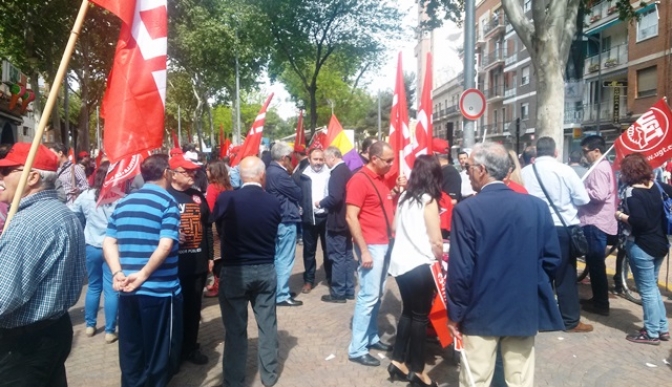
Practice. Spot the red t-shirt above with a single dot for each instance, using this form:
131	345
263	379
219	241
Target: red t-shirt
445	211
212	193
516	187
360	193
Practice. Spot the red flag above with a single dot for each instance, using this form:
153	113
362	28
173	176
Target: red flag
650	135
224	144
251	145
176	141
133	105
300	138
71	155
400	135
424	128
118	176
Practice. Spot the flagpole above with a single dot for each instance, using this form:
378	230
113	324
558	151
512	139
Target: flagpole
179	127
98	127
596	162
380	121
46	113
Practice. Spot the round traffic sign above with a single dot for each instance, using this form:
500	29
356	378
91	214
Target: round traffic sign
472	104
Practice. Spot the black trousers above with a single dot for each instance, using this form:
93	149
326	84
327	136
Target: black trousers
310	235
417	290
34	356
192	294
238	286
339	246
565	283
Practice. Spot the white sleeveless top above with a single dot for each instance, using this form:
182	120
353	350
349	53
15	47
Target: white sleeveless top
412	247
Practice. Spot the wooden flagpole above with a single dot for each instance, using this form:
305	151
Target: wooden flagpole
46	113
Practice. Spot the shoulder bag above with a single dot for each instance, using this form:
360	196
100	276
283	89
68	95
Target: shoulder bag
579	243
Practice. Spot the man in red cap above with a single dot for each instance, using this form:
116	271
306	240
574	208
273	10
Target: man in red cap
195	252
42	266
72	177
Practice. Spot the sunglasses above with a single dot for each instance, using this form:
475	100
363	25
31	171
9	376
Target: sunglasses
186	172
6	171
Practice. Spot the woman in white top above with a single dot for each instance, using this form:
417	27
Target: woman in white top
417	245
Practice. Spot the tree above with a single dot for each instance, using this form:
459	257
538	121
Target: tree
548	38
308	33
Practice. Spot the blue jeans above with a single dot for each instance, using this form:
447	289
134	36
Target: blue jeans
645	269
285	249
597	243
371	286
100	280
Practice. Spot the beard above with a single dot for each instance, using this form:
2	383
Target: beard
317	169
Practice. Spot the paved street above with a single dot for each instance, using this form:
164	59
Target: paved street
315	336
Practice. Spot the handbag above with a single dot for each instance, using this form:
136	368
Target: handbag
579	243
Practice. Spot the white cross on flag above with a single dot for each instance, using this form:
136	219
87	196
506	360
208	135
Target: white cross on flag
650	135
251	145
400	134
423	130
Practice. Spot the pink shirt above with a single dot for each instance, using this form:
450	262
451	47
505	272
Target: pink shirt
601	187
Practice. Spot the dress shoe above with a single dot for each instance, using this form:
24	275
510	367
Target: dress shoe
581	328
586	301
365	360
329	298
417	382
380	346
290	302
306	288
396	373
590	308
196	357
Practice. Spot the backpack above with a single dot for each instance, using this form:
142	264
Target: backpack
667	209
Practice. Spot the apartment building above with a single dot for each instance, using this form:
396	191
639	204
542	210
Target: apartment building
447	118
15	125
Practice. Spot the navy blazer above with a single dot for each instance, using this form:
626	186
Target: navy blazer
281	185
335	200
504	251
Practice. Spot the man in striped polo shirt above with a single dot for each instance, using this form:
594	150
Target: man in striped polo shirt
141	249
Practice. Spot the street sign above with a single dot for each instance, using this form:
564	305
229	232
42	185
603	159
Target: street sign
615	84
472	104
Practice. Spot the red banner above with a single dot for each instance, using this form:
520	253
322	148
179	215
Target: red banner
118	177
438	315
300	138
424	128
650	135
400	135
253	140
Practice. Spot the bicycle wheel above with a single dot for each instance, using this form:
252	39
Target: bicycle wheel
630	292
581	269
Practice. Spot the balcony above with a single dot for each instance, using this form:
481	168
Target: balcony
510	92
574	116
606	111
601	13
508	28
511	59
495	93
497	23
492	59
450	110
613	59
480	40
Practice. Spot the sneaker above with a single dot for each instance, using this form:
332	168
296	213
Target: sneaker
663	336
196	357
111	338
642	338
90	331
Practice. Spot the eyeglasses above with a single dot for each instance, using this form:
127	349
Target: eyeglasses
587	150
187	172
6	171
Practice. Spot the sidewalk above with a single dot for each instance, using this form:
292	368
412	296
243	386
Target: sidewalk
312	333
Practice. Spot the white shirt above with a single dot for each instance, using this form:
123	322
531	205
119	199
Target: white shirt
412	246
466	190
319	186
563	186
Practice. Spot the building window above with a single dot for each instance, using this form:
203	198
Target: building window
647	26
524	111
527	5
647	82
525	75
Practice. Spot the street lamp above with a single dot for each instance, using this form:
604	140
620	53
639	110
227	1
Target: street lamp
599	76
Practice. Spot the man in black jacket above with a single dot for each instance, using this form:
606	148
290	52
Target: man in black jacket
280	184
313	179
339	240
247	220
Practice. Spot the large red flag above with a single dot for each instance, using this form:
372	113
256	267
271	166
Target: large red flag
424	128
400	135
133	105
300	138
176	141
650	135
253	140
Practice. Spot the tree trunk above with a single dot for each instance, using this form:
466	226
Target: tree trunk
312	91
37	103
550	96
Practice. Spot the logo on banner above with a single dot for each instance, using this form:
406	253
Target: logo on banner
648	132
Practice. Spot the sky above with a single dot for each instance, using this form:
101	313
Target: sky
446	61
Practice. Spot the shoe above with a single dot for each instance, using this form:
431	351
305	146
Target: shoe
292	294
642	338
380	346
306	288
350	297
396	373
417	382
590	308
90	331
586	301
196	357
365	360
581	328
663	336
329	298
290	302
111	338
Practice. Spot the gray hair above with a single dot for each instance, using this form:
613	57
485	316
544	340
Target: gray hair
494	158
280	150
333	151
253	171
48	179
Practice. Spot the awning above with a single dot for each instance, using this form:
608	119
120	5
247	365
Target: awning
16	119
646	8
602	27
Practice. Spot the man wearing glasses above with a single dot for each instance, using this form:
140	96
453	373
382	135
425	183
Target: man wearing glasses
42	266
598	221
195	252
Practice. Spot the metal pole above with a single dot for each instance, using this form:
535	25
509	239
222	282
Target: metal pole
599	83
238	139
380	119
98	127
469	64
66	112
179	126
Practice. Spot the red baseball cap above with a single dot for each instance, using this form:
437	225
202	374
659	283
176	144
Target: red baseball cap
179	161
175	152
82	154
45	159
440	146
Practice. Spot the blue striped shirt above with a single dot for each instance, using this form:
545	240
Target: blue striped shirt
138	222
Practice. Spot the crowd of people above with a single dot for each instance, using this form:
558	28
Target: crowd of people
151	253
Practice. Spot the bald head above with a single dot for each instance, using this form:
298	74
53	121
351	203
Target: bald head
252	170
